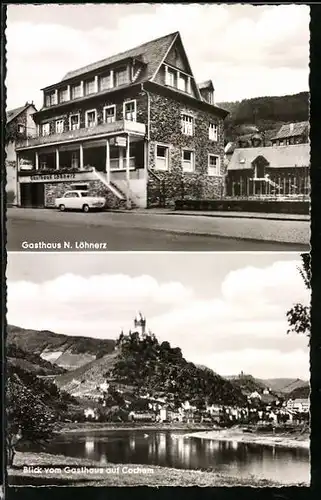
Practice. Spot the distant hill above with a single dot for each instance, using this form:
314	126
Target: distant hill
66	351
31	362
247	384
285	385
265	113
300	393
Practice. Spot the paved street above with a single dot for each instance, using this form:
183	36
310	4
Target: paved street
139	231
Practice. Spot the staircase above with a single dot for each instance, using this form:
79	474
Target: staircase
113	193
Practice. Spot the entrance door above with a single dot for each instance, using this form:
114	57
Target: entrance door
32	195
38	195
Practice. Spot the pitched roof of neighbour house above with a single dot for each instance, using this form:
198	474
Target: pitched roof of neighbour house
294	155
291	130
206	85
150	53
11	114
301	400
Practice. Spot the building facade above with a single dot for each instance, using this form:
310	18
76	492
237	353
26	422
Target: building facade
19	125
135	128
276	171
292	133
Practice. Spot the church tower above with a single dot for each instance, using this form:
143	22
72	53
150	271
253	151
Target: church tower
140	324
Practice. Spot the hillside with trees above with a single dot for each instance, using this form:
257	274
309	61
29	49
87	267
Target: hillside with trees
265	113
159	368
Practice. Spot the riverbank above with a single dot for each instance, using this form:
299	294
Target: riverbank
284	439
44	469
125	426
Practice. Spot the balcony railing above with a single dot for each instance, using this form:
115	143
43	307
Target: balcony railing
117	127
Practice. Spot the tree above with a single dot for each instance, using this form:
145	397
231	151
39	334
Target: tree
28	418
298	316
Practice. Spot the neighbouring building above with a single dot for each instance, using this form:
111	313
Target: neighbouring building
273	170
19	125
142	416
135	128
292	133
299	405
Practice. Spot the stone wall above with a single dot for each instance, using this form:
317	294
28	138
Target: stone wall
165	129
95	188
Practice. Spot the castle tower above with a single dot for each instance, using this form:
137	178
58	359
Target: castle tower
140	324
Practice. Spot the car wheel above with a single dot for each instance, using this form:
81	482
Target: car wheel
85	208
62	208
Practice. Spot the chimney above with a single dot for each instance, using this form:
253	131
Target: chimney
291	127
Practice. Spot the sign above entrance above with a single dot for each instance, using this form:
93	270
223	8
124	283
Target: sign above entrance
76	176
118	141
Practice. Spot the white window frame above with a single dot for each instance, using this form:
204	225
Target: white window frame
64	90
21	128
166	168
214	171
105	75
43	132
122	69
56	126
72	87
104	113
78	126
170	75
91	81
192	162
213	131
52	102
186	124
86	117
134	113
182	76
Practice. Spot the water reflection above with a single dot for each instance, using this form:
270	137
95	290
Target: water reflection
174	450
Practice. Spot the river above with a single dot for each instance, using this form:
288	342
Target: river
173	449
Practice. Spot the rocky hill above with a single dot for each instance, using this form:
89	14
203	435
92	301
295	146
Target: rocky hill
285	385
264	113
66	351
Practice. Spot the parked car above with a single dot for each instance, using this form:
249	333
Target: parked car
79	200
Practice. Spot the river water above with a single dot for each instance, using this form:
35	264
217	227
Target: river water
172	449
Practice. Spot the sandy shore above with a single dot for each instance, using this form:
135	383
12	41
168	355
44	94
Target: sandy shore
286	440
45	469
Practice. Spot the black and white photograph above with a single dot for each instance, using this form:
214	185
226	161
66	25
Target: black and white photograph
160	370
164	127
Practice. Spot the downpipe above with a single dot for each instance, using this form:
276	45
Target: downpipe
147	135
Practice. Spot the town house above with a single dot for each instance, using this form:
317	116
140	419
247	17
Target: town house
19	125
135	128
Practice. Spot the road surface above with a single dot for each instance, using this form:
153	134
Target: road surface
50	230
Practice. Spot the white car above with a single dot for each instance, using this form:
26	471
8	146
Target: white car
79	200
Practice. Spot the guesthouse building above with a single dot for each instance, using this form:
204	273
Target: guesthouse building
135	128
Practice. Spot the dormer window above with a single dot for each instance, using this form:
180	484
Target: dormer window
121	76
76	91
182	82
90	86
169	77
63	95
51	98
105	82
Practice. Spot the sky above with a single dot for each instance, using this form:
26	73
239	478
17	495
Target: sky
247	51
226	311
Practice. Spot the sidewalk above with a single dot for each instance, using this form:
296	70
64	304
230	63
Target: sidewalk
217	214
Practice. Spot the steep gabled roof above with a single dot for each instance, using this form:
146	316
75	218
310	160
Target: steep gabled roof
291	130
296	155
150	53
11	114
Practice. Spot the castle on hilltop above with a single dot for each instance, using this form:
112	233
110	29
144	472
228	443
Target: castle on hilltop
139	327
